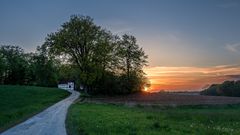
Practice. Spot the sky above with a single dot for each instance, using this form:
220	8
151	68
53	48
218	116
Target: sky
190	43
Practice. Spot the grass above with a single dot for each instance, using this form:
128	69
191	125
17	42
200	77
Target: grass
17	103
109	119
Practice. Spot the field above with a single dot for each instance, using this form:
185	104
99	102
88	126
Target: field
142	115
18	103
169	99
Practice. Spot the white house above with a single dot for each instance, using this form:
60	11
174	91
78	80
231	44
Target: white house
66	85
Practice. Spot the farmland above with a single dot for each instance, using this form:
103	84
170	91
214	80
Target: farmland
169	99
161	113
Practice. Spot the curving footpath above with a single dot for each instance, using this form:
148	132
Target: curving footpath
49	122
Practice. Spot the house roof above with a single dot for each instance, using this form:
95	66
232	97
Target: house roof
65	81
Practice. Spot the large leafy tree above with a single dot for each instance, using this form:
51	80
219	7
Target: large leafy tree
81	40
80	50
102	59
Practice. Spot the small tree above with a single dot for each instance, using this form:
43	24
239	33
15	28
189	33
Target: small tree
132	59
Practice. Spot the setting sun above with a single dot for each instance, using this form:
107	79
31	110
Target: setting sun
145	89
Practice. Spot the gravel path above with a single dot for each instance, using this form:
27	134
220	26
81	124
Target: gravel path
49	122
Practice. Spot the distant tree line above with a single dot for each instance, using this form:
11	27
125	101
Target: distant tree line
227	88
19	68
97	60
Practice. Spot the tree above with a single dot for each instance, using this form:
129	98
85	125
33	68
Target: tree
80	50
97	58
80	39
212	90
2	67
14	65
227	88
132	59
44	70
17	67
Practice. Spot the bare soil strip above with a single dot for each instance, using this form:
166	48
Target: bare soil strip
167	99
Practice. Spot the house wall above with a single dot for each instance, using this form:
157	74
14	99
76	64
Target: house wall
67	86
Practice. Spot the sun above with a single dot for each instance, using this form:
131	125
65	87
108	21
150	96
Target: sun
146	89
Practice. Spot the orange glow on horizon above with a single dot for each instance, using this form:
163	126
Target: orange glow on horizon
189	78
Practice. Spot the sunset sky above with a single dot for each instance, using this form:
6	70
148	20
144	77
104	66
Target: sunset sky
190	43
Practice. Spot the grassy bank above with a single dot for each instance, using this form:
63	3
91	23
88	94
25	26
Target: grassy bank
97	119
18	103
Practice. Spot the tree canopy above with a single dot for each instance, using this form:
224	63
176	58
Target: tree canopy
80	50
227	88
17	67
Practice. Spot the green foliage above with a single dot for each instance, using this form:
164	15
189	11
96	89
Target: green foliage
93	119
80	51
17	103
44	71
132	57
132	60
13	65
86	45
101	58
212	90
17	67
227	88
3	67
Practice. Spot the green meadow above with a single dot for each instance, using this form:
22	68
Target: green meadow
110	119
17	103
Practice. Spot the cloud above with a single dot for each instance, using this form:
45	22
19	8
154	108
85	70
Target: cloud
234	77
233	47
190	78
191	70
